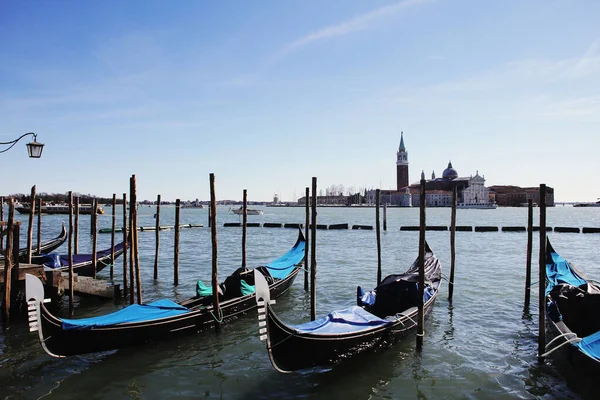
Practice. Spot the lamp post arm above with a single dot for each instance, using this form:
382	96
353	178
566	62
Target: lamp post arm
13	142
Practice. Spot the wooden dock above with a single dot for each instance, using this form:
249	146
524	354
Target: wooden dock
32	269
83	285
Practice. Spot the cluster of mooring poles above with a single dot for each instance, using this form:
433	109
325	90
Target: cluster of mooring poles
12	267
422	247
132	279
541	272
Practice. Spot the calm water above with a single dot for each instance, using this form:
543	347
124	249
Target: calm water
479	347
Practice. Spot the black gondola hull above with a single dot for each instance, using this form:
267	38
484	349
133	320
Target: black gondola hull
292	351
45	248
60	342
86	268
335	338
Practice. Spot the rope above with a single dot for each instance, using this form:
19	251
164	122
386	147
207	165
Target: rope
217	319
564	335
532	285
567	341
281	341
51	390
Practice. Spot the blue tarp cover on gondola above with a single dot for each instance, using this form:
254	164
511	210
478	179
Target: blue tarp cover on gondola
558	270
353	319
590	345
285	264
134	313
54	260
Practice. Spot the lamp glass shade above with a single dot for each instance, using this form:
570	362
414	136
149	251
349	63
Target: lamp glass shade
35	149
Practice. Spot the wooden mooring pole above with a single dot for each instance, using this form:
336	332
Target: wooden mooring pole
157	237
94	237
542	276
134	231
313	253
1	220
16	262
529	252
244	227
71	277
8	264
378	234
125	245
39	227
215	252
306	244
420	314
176	244
384	217
132	207
92	221
112	236
30	227
76	231
452	243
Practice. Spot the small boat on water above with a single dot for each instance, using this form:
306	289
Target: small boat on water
25	208
596	204
45	247
162	319
249	211
573	309
380	317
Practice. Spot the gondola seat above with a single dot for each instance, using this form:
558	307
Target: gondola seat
577	306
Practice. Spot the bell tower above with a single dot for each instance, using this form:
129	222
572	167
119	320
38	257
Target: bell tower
401	165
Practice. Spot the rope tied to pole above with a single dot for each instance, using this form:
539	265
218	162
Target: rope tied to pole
220	319
571	340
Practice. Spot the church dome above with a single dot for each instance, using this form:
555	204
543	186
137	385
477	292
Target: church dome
450	173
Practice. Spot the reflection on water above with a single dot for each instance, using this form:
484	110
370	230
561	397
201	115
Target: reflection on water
483	345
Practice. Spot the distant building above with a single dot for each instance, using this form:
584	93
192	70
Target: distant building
515	196
401	165
471	190
327	200
476	192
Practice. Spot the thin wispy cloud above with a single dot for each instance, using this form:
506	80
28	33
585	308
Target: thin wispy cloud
358	23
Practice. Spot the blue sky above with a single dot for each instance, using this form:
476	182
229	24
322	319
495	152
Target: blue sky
267	94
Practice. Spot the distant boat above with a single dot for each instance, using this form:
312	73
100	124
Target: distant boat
596	204
249	211
527	205
25	208
478	206
192	205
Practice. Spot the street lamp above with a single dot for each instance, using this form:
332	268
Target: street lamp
34	149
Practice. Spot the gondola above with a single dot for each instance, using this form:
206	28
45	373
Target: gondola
82	263
380	317
573	309
45	247
137	324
